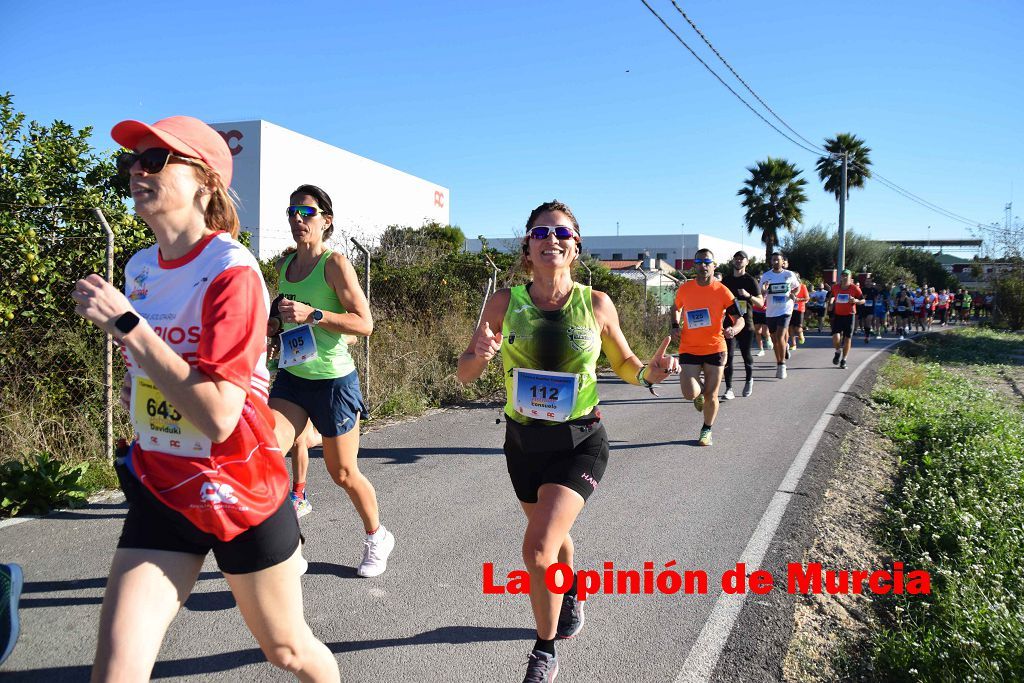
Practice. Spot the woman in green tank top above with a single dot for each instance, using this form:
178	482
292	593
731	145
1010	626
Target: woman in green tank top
549	334
321	302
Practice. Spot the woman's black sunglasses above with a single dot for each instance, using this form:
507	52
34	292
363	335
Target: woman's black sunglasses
153	160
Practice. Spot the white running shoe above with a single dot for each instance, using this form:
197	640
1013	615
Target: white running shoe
375	554
760	352
780	372
728	395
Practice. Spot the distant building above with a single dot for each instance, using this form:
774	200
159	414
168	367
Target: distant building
271	161
675	250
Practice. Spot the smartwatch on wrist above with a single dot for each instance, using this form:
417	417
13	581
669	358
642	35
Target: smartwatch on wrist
126	322
318	315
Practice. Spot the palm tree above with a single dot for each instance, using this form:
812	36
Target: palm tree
772	196
830	168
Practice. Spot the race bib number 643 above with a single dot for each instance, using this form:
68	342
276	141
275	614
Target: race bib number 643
159	424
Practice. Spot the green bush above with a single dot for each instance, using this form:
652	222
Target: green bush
41	484
955	513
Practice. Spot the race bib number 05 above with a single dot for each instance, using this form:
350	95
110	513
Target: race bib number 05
160	426
544	395
699	317
297	346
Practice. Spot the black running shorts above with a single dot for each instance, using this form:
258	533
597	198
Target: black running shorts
797	320
151	525
778	322
842	324
718	359
573	454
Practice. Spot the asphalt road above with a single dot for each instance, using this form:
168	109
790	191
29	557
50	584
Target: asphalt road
444	492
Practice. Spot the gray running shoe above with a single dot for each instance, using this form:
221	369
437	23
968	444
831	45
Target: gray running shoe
748	388
11	580
541	667
570	619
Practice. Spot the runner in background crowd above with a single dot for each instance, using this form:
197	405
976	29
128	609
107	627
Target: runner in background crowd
866	311
550	334
965	307
843	299
904	308
745	290
321	302
779	287
816	305
796	323
205	472
880	324
761	335
918	315
942	306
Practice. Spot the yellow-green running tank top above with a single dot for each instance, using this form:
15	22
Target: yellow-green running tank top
566	340
333	359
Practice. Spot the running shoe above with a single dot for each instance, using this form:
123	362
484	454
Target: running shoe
835	358
842	364
760	352
301	505
11	580
802	340
375	554
748	388
698	402
780	372
768	344
541	667
705	436
902	337
728	395
570	619
788	349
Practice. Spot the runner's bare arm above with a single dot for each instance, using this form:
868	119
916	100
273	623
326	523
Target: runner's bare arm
624	362
736	319
342	278
214	406
486	340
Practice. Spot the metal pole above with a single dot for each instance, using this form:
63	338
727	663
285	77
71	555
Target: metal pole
841	260
366	340
108	355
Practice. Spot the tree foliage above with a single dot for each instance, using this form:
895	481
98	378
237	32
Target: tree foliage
772	196
830	167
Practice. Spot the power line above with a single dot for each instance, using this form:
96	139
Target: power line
814	149
727	86
818	148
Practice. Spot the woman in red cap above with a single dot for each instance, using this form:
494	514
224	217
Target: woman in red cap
204	472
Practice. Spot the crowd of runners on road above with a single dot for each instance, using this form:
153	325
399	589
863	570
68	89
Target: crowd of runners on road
205	470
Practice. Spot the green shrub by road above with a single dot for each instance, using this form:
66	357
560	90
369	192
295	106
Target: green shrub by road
955	512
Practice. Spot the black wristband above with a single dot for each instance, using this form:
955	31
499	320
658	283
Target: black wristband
126	322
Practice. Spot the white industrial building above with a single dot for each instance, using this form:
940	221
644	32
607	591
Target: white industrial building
271	161
675	250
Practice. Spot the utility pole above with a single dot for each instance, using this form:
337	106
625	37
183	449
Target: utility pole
841	260
616	228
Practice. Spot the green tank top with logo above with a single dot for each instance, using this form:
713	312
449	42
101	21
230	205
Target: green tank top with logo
333	359
563	341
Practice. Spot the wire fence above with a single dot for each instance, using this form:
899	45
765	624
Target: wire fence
56	370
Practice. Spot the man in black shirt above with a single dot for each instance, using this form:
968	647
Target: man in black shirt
746	290
866	311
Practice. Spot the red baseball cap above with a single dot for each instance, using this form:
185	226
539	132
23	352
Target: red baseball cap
184	135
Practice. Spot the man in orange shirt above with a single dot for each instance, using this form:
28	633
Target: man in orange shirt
701	305
843	299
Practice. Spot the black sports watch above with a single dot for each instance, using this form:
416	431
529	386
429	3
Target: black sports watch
126	322
318	315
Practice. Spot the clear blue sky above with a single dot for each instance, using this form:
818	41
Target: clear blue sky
512	103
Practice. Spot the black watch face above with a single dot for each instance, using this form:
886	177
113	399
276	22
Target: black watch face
318	315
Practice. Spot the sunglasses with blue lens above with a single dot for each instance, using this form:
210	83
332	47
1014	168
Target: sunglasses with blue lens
302	210
541	232
707	261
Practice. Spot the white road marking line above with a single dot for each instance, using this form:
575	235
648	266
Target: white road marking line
704	655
